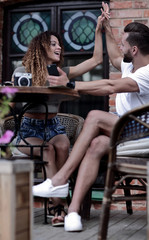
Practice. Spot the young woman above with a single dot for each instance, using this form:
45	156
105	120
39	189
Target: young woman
46	49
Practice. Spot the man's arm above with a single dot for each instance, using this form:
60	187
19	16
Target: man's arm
101	87
107	86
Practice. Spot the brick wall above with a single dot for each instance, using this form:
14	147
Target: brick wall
122	12
140	205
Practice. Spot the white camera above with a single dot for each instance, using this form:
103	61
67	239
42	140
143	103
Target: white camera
22	79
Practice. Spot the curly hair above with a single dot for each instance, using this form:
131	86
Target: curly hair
35	59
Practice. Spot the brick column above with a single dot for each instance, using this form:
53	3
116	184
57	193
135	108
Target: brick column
122	13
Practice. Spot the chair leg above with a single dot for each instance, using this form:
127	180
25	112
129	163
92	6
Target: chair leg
45	199
45	210
86	206
127	194
68	199
104	216
106	204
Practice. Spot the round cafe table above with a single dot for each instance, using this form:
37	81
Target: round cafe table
45	96
49	95
32	96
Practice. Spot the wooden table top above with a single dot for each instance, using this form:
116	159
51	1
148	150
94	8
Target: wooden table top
45	94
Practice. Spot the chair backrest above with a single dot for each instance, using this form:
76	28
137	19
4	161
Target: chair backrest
132	127
73	125
9	124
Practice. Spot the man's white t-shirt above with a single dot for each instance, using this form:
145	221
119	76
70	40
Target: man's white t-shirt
130	100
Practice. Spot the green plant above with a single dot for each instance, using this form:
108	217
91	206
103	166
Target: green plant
7	96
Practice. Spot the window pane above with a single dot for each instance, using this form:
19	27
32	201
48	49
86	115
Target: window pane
78	29
85	103
95	74
25	26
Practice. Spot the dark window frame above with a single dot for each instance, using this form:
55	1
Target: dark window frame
56	9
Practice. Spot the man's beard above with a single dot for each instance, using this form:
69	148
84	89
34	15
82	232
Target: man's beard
127	57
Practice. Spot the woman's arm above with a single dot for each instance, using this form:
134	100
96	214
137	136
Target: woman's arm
95	60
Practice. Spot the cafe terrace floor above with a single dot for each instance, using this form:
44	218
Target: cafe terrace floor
121	227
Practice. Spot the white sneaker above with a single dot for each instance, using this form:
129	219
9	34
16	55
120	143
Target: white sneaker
46	189
73	222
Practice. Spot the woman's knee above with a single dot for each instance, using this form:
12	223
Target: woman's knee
63	145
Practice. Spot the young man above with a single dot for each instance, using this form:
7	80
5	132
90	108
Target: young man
93	143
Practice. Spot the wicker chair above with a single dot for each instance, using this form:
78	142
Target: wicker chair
128	157
73	125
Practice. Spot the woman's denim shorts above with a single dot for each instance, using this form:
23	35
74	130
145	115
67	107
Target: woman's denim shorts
36	128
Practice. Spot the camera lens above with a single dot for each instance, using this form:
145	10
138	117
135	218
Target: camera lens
23	81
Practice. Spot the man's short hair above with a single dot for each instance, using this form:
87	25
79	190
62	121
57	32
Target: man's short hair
138	36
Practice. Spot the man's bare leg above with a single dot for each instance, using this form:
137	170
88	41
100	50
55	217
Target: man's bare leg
96	123
88	171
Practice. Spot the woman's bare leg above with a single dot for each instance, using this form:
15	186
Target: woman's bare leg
61	146
55	154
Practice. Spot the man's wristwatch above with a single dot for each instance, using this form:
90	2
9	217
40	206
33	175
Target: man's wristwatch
71	85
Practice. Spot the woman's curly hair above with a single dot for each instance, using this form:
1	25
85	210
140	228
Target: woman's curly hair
35	59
